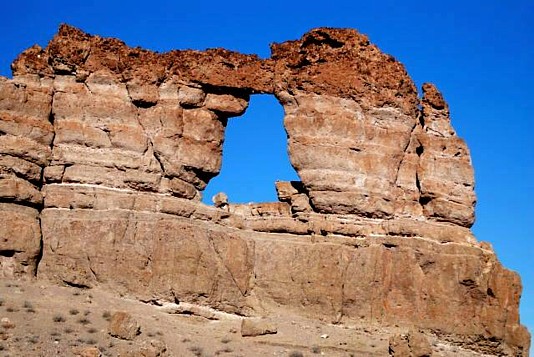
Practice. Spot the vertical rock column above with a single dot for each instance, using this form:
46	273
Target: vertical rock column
25	138
445	174
153	138
350	113
347	157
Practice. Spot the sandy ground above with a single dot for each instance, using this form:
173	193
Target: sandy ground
40	319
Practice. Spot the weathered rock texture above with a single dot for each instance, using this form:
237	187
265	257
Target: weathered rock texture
413	344
105	150
123	325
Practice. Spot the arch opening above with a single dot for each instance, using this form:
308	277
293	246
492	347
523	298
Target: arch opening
254	155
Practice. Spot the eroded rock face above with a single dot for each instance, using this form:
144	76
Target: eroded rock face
124	326
105	150
106	134
26	136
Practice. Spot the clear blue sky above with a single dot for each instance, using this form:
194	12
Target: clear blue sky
480	54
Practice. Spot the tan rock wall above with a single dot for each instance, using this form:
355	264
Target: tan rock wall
348	158
25	138
167	143
105	150
372	275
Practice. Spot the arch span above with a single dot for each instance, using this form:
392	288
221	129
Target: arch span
254	154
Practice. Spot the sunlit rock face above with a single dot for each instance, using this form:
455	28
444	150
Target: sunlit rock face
358	139
105	151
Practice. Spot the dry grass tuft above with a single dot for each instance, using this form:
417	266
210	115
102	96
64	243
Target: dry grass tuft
59	318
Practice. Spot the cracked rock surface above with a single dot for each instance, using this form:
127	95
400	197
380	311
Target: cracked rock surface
105	151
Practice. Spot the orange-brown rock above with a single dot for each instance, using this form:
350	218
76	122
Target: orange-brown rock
124	326
257	327
413	344
105	151
86	352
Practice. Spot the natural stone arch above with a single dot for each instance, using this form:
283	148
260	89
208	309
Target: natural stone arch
110	201
340	68
254	154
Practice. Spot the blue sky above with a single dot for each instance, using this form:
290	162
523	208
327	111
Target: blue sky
480	54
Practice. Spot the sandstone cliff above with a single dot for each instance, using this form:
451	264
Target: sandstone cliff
105	150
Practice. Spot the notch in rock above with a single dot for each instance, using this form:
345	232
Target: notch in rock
141	103
319	37
8	253
423	200
389	245
76	285
419	150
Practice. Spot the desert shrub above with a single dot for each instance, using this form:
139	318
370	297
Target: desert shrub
84	321
106	315
295	354
196	350
29	307
224	350
59	318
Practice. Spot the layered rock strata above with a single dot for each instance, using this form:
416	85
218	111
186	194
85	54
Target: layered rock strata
105	150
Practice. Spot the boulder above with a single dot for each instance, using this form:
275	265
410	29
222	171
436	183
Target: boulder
124	326
412	344
251	327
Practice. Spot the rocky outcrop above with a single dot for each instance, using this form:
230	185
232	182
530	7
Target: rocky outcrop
105	151
413	344
257	327
123	326
25	149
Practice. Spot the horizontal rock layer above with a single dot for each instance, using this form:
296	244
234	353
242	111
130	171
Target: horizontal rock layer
105	151
260	260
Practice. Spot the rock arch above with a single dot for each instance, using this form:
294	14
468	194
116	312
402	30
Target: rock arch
254	154
105	148
352	115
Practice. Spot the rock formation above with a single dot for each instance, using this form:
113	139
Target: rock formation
105	150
